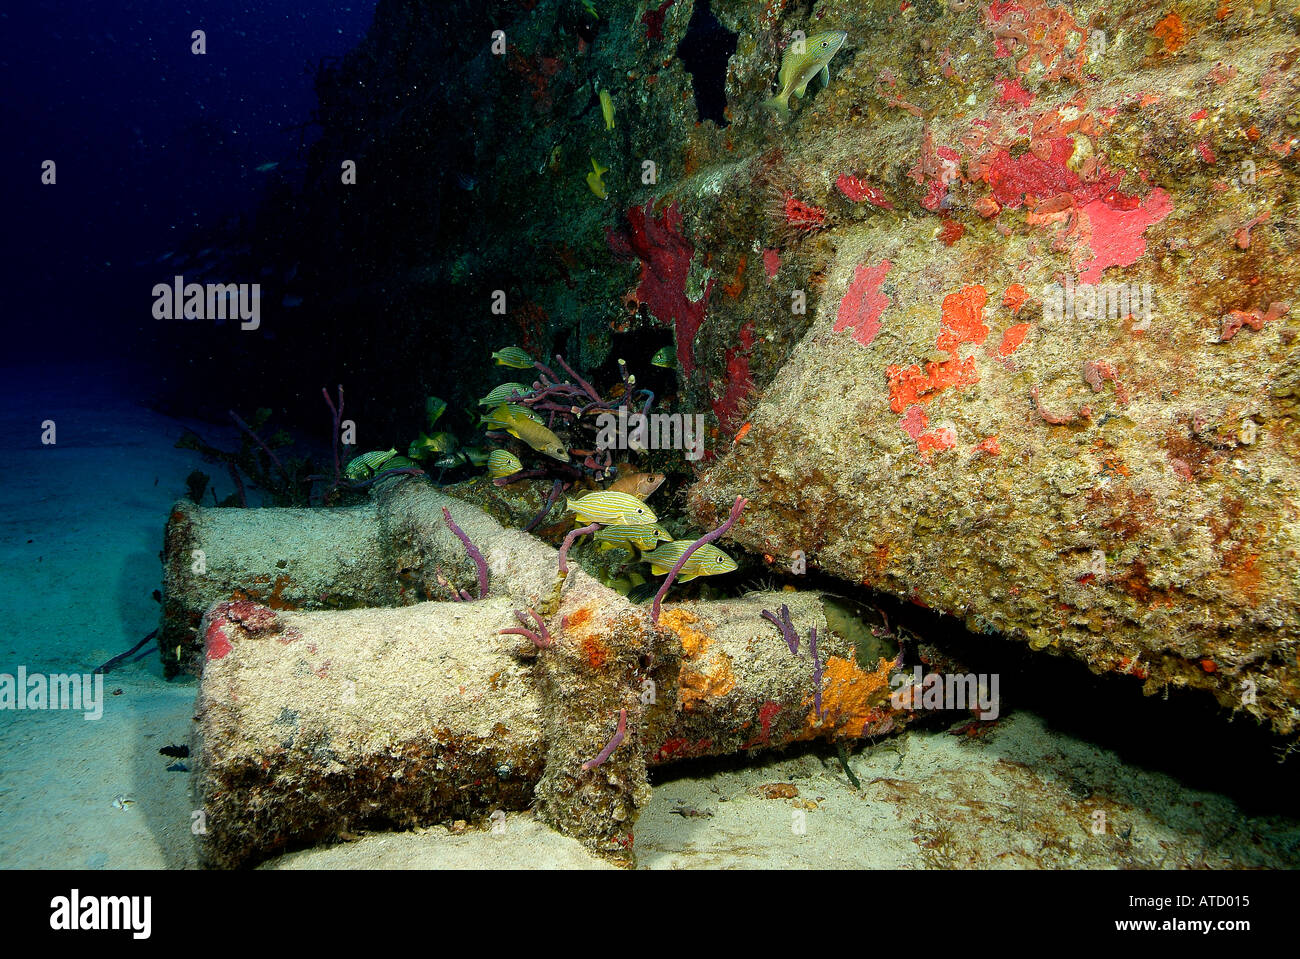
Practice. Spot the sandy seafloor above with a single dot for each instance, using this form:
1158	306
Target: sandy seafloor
80	533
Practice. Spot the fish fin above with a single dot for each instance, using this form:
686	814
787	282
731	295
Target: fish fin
825	75
686	577
659	570
779	106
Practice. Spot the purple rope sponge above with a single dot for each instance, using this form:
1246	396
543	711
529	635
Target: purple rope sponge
786	626
470	548
568	541
578	379
541	638
613	743
704	540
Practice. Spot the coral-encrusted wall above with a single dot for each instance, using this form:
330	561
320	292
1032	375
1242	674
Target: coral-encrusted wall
958	427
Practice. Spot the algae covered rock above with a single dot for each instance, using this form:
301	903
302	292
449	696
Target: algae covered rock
1049	384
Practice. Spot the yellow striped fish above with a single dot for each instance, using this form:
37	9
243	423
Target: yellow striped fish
708	560
503	463
514	357
368	463
508	413
612	509
642	537
502	394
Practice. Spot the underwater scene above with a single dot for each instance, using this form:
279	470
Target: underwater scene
651	434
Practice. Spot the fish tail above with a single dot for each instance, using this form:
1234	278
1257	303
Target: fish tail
569	505
779	105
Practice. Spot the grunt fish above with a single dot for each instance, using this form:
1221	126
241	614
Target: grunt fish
611	508
513	409
514	422
368	463
645	537
801	63
513	356
503	463
501	394
424	446
594	179
433	410
708	560
607	109
665	358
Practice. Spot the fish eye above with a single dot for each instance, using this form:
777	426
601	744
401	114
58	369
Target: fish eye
825	43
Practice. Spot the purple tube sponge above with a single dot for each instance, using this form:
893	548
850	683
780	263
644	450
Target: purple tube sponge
786	626
540	638
470	548
736	509
613	743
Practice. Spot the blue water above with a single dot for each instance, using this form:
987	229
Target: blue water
150	140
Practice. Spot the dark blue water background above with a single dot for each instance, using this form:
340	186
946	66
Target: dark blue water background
152	143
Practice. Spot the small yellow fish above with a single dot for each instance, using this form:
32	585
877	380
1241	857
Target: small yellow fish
611	508
645	537
433	409
607	109
514	409
502	394
368	463
423	446
594	179
528	431
515	357
708	560
503	463
802	62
